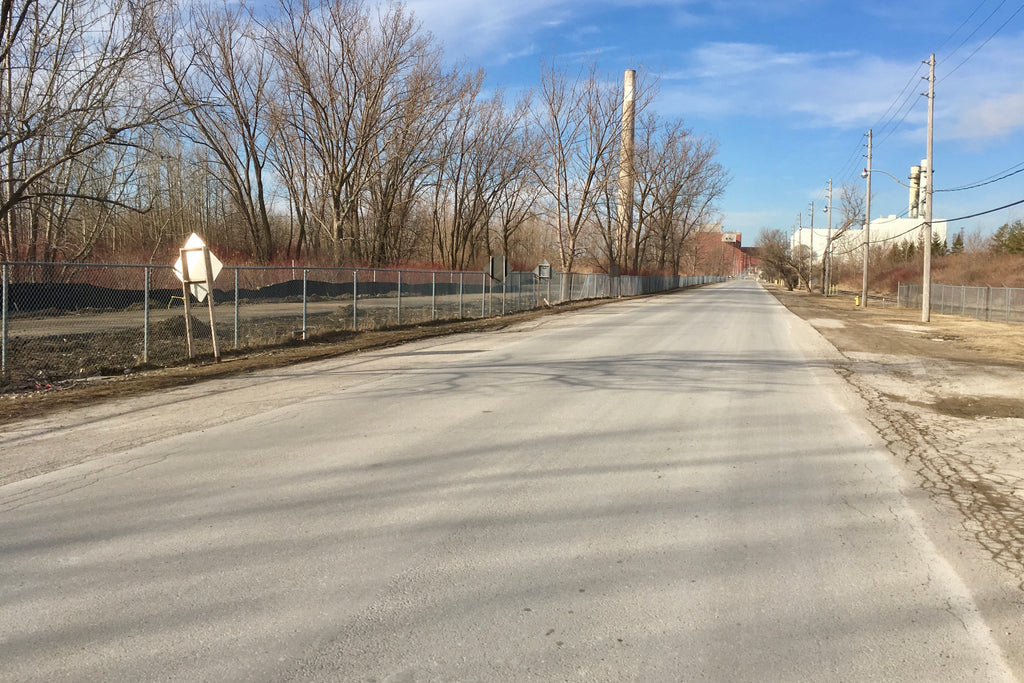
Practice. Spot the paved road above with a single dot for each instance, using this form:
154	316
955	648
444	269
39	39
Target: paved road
673	488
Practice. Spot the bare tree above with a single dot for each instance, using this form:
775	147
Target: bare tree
73	84
293	158
780	262
344	75
851	202
579	124
518	191
221	71
678	183
480	177
406	159
517	151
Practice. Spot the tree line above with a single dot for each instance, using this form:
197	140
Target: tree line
328	132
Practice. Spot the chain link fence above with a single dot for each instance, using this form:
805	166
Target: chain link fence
1000	304
62	322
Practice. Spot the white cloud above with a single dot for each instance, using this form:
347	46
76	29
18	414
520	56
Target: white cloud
475	29
993	117
834	89
808	87
982	98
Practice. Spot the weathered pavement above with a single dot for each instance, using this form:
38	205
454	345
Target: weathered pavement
663	489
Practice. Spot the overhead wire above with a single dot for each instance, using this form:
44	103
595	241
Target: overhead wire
904	103
984	42
962	24
987	181
976	28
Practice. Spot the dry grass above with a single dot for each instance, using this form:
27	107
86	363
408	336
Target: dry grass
969	268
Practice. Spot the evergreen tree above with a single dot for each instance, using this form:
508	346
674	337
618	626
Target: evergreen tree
958	243
1009	238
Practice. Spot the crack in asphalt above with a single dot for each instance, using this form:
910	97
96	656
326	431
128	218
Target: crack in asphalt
992	513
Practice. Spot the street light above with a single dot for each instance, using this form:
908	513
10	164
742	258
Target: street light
864	174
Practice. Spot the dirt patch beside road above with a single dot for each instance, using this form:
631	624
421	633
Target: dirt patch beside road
69	394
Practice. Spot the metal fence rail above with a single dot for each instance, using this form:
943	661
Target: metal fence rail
64	322
1000	304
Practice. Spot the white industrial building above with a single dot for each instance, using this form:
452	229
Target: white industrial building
885	231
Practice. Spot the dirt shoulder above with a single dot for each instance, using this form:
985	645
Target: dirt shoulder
948	398
43	401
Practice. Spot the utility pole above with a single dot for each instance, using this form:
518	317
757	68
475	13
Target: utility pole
926	278
867	229
811	269
799	234
826	259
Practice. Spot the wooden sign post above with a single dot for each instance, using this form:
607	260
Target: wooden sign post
197	268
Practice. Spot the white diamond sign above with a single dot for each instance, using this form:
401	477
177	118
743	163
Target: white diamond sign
194	249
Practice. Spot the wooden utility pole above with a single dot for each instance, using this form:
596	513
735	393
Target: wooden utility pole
812	240
867	229
926	277
826	268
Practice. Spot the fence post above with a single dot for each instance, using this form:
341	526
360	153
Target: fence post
460	294
145	314
305	285
3	324
433	296
1007	303
355	300
504	288
988	302
399	297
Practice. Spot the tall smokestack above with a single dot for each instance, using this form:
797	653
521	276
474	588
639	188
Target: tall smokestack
625	203
922	195
915	191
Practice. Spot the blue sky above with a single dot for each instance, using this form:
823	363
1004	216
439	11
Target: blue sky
790	88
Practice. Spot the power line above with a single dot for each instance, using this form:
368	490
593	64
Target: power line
986	41
909	104
879	125
890	121
987	181
892	238
976	28
982	213
962	24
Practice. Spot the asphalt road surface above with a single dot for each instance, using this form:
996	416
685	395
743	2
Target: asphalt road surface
670	488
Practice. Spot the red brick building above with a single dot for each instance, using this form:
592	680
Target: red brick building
719	253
